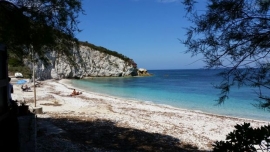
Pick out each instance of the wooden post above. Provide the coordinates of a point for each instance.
(34, 76)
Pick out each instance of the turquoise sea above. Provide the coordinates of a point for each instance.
(188, 89)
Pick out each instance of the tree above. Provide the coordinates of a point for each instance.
(13, 26)
(39, 25)
(234, 35)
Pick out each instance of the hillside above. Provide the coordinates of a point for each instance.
(87, 61)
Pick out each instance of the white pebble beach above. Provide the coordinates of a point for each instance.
(192, 127)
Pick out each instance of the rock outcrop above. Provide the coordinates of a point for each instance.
(143, 72)
(88, 62)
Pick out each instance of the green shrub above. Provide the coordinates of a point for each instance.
(27, 72)
(14, 62)
(244, 138)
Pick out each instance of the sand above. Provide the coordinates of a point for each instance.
(191, 127)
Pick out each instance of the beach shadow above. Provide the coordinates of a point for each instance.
(103, 135)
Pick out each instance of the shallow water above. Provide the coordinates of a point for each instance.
(189, 89)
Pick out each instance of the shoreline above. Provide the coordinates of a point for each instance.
(194, 128)
(67, 83)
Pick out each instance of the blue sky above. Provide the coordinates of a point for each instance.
(147, 31)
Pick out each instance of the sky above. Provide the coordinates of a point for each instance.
(147, 31)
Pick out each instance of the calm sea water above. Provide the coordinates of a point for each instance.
(189, 89)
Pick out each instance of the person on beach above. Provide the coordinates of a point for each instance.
(25, 88)
(75, 93)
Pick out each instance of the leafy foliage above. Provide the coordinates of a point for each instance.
(26, 71)
(244, 138)
(14, 62)
(32, 28)
(233, 35)
(17, 65)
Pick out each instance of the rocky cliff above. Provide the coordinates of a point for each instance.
(87, 62)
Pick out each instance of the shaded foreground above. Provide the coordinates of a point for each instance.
(84, 135)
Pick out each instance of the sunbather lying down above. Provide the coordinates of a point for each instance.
(25, 88)
(75, 93)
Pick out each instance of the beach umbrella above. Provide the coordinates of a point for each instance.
(21, 81)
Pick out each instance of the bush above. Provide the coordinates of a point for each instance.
(245, 138)
(27, 72)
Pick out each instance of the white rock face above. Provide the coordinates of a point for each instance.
(88, 63)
